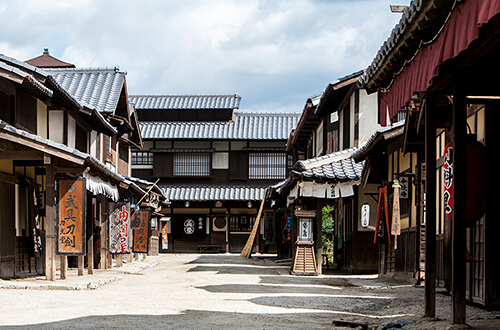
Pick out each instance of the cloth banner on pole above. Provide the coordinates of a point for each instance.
(396, 216)
(119, 228)
(382, 232)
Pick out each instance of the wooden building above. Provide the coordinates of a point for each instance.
(47, 134)
(214, 164)
(388, 166)
(332, 126)
(438, 63)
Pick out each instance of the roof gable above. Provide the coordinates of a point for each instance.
(97, 88)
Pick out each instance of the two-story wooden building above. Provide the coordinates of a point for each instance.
(214, 164)
(438, 63)
(332, 126)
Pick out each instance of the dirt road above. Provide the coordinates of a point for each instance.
(219, 291)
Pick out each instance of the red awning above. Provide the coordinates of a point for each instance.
(461, 29)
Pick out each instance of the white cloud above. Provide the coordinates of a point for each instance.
(272, 52)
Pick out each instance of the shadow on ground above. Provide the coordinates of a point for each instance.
(190, 319)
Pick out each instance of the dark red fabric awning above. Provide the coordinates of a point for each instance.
(461, 29)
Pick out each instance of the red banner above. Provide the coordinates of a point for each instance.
(382, 229)
(119, 228)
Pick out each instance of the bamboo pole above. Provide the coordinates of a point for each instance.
(247, 250)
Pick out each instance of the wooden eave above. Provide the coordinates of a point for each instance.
(395, 53)
(334, 96)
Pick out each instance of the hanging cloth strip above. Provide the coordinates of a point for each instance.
(97, 186)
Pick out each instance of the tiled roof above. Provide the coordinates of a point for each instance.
(47, 61)
(214, 193)
(338, 166)
(97, 88)
(245, 126)
(184, 102)
(23, 78)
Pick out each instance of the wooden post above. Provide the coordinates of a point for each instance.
(430, 207)
(50, 220)
(227, 232)
(90, 254)
(80, 265)
(64, 267)
(458, 274)
(319, 236)
(119, 260)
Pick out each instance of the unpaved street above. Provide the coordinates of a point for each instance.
(191, 291)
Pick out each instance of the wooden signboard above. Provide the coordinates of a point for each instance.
(140, 224)
(70, 216)
(119, 228)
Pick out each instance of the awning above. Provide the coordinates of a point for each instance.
(458, 33)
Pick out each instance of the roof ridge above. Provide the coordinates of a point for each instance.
(183, 95)
(115, 69)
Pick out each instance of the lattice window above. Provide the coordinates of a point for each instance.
(241, 223)
(192, 164)
(265, 165)
(142, 158)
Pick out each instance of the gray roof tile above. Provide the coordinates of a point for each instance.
(338, 166)
(183, 102)
(214, 193)
(97, 88)
(245, 126)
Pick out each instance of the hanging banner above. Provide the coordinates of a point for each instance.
(34, 217)
(396, 217)
(119, 228)
(70, 216)
(140, 224)
(448, 178)
(382, 234)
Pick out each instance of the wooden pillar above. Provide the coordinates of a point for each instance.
(119, 260)
(80, 265)
(430, 207)
(227, 232)
(90, 253)
(64, 267)
(319, 235)
(50, 220)
(458, 274)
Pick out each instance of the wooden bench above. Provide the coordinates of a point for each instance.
(209, 248)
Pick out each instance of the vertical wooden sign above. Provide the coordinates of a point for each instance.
(119, 228)
(70, 216)
(140, 223)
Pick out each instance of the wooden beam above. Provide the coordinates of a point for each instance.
(22, 155)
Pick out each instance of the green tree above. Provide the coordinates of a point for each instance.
(328, 230)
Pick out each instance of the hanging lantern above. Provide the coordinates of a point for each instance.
(477, 179)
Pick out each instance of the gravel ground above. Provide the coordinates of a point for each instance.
(221, 291)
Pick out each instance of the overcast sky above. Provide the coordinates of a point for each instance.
(274, 54)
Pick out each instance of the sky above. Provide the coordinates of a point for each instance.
(274, 53)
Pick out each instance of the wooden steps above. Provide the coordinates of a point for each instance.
(304, 262)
